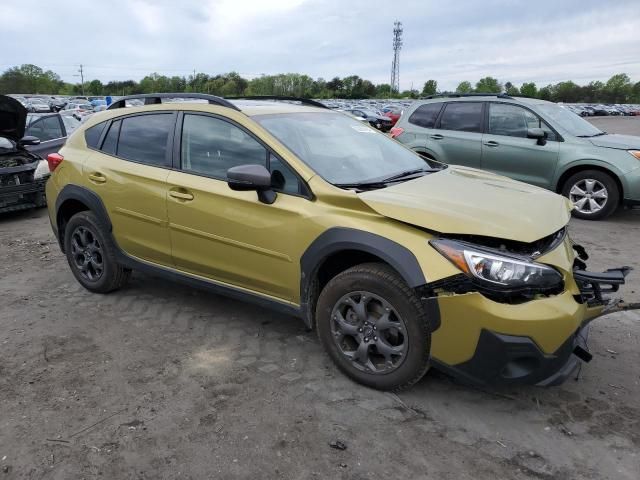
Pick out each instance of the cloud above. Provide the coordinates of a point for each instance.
(546, 41)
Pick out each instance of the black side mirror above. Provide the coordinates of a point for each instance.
(538, 133)
(252, 177)
(30, 140)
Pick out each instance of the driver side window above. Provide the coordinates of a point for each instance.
(211, 146)
(514, 121)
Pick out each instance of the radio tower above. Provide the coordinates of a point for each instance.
(395, 65)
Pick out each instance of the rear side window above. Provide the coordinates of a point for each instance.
(462, 116)
(144, 138)
(426, 115)
(111, 140)
(46, 128)
(92, 135)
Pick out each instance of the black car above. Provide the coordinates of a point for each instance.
(380, 122)
(52, 129)
(23, 174)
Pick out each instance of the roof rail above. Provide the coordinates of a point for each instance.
(304, 101)
(156, 98)
(456, 95)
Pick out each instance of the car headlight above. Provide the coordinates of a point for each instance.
(635, 153)
(42, 170)
(494, 270)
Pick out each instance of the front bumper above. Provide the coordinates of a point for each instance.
(507, 359)
(540, 341)
(21, 197)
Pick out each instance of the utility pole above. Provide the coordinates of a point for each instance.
(81, 79)
(395, 64)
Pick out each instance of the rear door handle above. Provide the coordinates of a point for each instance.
(492, 143)
(181, 194)
(97, 177)
(437, 136)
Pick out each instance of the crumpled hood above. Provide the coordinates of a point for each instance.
(460, 200)
(13, 118)
(624, 142)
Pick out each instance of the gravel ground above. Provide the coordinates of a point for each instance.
(162, 381)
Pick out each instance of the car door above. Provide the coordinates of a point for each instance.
(226, 235)
(421, 124)
(507, 150)
(458, 135)
(128, 169)
(50, 131)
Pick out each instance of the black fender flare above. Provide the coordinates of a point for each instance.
(339, 239)
(88, 198)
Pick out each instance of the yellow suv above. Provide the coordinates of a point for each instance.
(397, 263)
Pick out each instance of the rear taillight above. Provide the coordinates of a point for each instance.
(54, 159)
(396, 132)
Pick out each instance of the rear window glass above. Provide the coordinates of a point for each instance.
(92, 135)
(143, 138)
(426, 115)
(462, 116)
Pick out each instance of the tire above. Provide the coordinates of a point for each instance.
(91, 254)
(576, 189)
(397, 345)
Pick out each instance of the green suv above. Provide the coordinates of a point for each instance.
(398, 263)
(530, 140)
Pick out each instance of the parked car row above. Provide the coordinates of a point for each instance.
(590, 110)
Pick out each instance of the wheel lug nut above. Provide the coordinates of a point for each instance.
(375, 339)
(374, 327)
(360, 330)
(366, 339)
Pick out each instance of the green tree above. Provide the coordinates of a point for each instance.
(511, 89)
(464, 87)
(529, 90)
(430, 88)
(94, 87)
(488, 85)
(618, 88)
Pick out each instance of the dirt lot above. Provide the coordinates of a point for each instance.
(162, 381)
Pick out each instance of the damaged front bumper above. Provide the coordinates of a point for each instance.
(24, 196)
(537, 342)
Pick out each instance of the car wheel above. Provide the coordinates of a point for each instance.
(374, 327)
(91, 255)
(594, 194)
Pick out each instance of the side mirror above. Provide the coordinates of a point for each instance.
(30, 140)
(538, 133)
(252, 177)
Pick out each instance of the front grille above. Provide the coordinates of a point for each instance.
(13, 179)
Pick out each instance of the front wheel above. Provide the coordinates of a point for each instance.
(374, 327)
(594, 194)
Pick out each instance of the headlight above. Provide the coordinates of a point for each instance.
(635, 153)
(42, 170)
(494, 270)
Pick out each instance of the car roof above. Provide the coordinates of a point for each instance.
(484, 98)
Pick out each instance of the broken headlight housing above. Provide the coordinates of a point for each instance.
(496, 271)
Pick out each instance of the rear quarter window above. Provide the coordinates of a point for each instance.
(426, 115)
(92, 135)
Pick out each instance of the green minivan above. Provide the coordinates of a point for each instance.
(530, 140)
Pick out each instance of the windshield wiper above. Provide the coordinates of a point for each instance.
(384, 181)
(594, 135)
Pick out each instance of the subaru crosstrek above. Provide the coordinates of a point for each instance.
(397, 263)
(530, 140)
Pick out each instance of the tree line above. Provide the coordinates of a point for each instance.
(33, 79)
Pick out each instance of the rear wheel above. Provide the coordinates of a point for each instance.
(374, 327)
(91, 254)
(594, 194)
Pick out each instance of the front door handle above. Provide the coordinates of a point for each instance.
(181, 194)
(437, 136)
(491, 143)
(97, 177)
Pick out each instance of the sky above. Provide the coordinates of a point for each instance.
(544, 41)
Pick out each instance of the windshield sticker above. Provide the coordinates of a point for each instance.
(362, 129)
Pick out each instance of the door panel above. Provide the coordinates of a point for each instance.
(135, 198)
(506, 150)
(232, 237)
(458, 138)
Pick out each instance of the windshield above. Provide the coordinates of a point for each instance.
(339, 148)
(568, 120)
